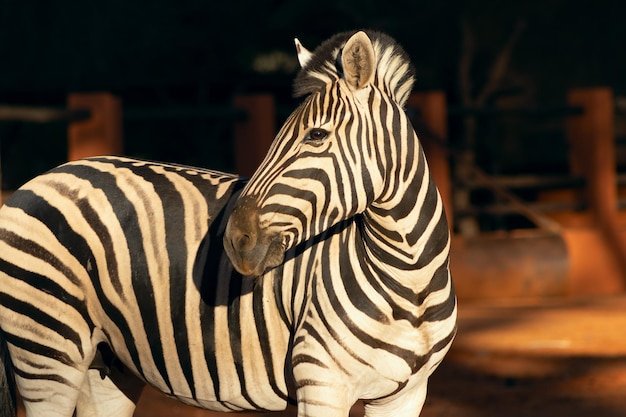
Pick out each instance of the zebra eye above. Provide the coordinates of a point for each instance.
(316, 135)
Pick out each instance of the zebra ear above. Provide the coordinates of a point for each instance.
(358, 60)
(304, 55)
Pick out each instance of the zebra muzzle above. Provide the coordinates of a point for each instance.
(251, 249)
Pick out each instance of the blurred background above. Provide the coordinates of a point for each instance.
(160, 56)
(537, 229)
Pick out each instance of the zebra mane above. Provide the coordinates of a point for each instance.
(394, 72)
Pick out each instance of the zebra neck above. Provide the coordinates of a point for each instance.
(408, 229)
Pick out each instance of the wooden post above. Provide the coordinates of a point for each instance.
(101, 134)
(254, 135)
(434, 114)
(592, 146)
(592, 149)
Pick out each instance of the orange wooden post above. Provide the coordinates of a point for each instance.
(592, 148)
(101, 134)
(434, 114)
(254, 135)
(592, 155)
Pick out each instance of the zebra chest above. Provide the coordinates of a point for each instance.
(342, 341)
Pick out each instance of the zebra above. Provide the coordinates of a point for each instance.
(321, 280)
(345, 186)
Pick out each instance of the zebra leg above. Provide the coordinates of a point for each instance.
(323, 399)
(109, 389)
(47, 388)
(50, 364)
(115, 394)
(407, 403)
(8, 407)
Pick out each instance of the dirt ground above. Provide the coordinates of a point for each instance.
(546, 358)
(581, 388)
(514, 359)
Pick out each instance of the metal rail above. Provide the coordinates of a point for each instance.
(41, 114)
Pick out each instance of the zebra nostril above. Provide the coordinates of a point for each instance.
(244, 242)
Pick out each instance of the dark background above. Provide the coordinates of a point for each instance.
(165, 53)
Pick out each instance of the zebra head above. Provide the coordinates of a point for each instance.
(334, 156)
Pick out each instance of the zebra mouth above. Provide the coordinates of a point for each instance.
(256, 259)
(251, 248)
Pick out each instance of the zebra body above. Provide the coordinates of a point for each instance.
(129, 253)
(340, 288)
